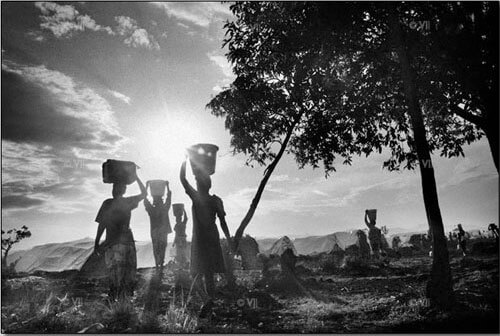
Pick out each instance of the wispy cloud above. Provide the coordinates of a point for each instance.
(135, 36)
(120, 96)
(64, 20)
(55, 132)
(226, 69)
(35, 36)
(198, 13)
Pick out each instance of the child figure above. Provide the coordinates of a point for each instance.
(160, 225)
(180, 233)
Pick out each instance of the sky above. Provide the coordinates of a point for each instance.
(83, 82)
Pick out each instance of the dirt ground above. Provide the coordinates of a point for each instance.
(382, 298)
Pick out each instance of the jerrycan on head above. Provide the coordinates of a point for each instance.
(372, 214)
(178, 209)
(202, 158)
(116, 171)
(157, 187)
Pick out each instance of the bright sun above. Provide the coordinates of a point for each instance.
(164, 140)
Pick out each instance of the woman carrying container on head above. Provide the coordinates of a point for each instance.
(114, 217)
(158, 217)
(206, 252)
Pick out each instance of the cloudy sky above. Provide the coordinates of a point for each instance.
(84, 82)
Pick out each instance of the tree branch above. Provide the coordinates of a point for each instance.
(268, 171)
(477, 120)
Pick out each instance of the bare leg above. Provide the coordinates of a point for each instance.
(163, 248)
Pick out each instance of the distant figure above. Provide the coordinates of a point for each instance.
(396, 241)
(160, 225)
(450, 236)
(206, 252)
(362, 243)
(119, 247)
(180, 237)
(374, 235)
(494, 230)
(461, 236)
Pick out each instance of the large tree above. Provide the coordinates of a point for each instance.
(347, 78)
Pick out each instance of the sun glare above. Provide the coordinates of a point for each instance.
(166, 139)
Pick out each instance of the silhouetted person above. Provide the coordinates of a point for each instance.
(396, 241)
(119, 247)
(362, 243)
(374, 235)
(180, 238)
(494, 230)
(206, 252)
(160, 225)
(461, 237)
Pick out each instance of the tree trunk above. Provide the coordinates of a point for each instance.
(439, 287)
(491, 131)
(5, 254)
(269, 170)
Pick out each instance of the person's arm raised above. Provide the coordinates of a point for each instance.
(187, 187)
(366, 220)
(184, 221)
(168, 201)
(144, 192)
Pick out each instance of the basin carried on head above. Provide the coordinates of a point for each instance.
(202, 158)
(178, 209)
(116, 171)
(372, 214)
(157, 187)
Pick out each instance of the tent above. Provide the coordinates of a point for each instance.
(74, 255)
(332, 242)
(280, 246)
(248, 248)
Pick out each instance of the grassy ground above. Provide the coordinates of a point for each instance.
(380, 298)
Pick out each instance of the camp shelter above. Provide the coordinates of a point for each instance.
(280, 246)
(248, 248)
(74, 255)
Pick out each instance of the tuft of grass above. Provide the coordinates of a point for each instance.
(120, 315)
(178, 319)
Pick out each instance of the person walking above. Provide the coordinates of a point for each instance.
(119, 247)
(160, 224)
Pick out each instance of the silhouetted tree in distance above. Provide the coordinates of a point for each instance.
(10, 238)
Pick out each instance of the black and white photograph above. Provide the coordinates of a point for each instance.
(250, 167)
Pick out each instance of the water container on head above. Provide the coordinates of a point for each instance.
(372, 214)
(157, 187)
(116, 171)
(202, 158)
(178, 209)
